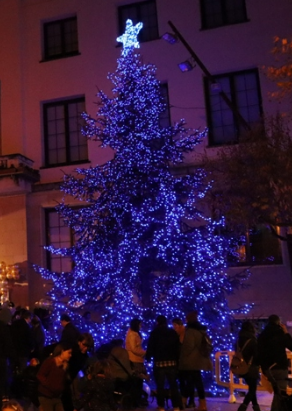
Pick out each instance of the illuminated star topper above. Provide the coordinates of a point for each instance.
(129, 38)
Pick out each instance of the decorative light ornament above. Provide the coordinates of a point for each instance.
(8, 273)
(129, 38)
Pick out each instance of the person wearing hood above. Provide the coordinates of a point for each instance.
(192, 361)
(247, 342)
(272, 345)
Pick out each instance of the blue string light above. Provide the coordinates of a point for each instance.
(143, 244)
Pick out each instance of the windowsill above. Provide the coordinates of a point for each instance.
(253, 265)
(65, 164)
(224, 25)
(59, 57)
(231, 143)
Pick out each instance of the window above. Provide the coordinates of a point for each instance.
(164, 118)
(64, 142)
(216, 13)
(144, 12)
(60, 38)
(60, 236)
(243, 90)
(258, 246)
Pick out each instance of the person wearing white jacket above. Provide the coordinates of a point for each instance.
(136, 353)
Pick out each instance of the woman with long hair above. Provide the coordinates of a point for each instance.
(52, 377)
(247, 340)
(136, 355)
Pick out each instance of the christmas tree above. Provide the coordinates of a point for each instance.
(143, 245)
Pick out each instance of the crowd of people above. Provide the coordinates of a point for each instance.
(70, 375)
(268, 353)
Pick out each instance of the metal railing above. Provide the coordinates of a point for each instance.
(232, 385)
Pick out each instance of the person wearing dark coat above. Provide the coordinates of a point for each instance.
(272, 345)
(70, 333)
(247, 339)
(163, 347)
(78, 362)
(39, 337)
(5, 353)
(22, 339)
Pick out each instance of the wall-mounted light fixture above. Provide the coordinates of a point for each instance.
(187, 65)
(170, 38)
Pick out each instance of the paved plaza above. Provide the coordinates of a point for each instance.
(222, 404)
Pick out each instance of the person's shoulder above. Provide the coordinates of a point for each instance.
(193, 332)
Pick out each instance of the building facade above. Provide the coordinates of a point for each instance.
(55, 55)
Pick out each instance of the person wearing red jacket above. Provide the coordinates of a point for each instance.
(52, 377)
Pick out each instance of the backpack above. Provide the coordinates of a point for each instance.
(206, 346)
(238, 365)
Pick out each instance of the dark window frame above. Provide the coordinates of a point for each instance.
(143, 36)
(65, 103)
(225, 21)
(165, 116)
(238, 127)
(254, 252)
(63, 53)
(49, 255)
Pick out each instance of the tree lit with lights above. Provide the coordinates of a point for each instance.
(143, 245)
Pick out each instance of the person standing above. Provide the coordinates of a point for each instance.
(247, 343)
(70, 333)
(5, 353)
(192, 361)
(272, 345)
(52, 377)
(163, 347)
(38, 336)
(180, 329)
(22, 339)
(136, 354)
(78, 362)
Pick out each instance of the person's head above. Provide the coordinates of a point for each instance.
(63, 351)
(64, 319)
(274, 319)
(161, 320)
(85, 342)
(26, 315)
(11, 405)
(135, 324)
(192, 317)
(248, 327)
(178, 325)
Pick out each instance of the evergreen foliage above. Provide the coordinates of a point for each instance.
(143, 245)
